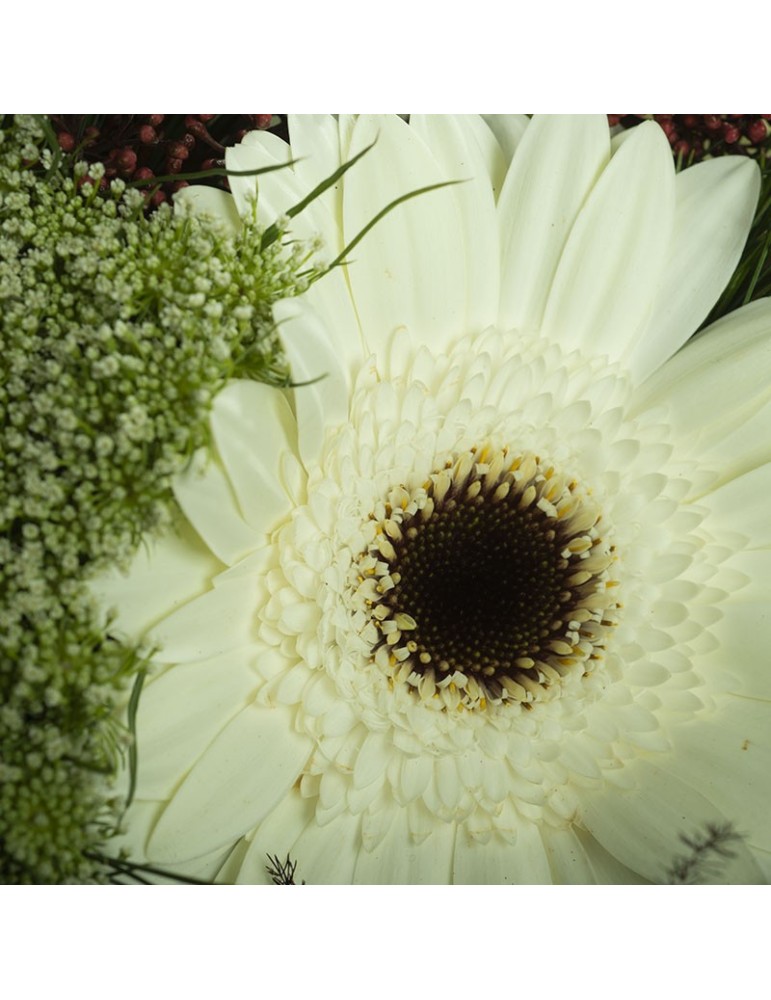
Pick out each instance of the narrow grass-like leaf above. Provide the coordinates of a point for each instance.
(197, 175)
(271, 234)
(135, 870)
(133, 756)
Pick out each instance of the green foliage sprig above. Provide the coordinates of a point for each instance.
(116, 332)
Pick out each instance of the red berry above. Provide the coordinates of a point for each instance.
(758, 131)
(66, 141)
(178, 151)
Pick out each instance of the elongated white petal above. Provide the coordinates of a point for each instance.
(254, 429)
(209, 503)
(508, 130)
(315, 143)
(609, 272)
(718, 391)
(241, 777)
(728, 759)
(621, 822)
(742, 504)
(276, 836)
(164, 574)
(181, 713)
(410, 270)
(398, 860)
(274, 192)
(497, 861)
(322, 401)
(577, 859)
(451, 141)
(217, 621)
(541, 198)
(326, 855)
(715, 204)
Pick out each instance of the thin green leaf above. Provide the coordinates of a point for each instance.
(133, 756)
(758, 271)
(197, 175)
(132, 869)
(272, 233)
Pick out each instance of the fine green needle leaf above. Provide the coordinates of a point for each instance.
(133, 705)
(197, 175)
(272, 232)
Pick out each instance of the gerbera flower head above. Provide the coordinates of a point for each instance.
(475, 604)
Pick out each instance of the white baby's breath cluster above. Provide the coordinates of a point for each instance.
(117, 330)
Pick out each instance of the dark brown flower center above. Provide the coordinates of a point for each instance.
(490, 580)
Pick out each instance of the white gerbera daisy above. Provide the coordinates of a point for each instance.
(489, 601)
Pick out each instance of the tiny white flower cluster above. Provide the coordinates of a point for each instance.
(117, 330)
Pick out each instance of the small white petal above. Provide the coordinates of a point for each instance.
(219, 207)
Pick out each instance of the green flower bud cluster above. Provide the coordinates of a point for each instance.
(116, 332)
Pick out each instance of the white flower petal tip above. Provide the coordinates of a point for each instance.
(489, 634)
(210, 203)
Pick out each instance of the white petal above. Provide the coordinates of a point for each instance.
(326, 855)
(577, 859)
(212, 203)
(509, 131)
(224, 618)
(277, 191)
(742, 505)
(398, 860)
(727, 757)
(610, 270)
(498, 862)
(181, 713)
(315, 143)
(451, 139)
(372, 759)
(718, 390)
(330, 299)
(276, 835)
(410, 269)
(714, 210)
(253, 428)
(322, 403)
(164, 574)
(557, 162)
(642, 827)
(241, 777)
(207, 499)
